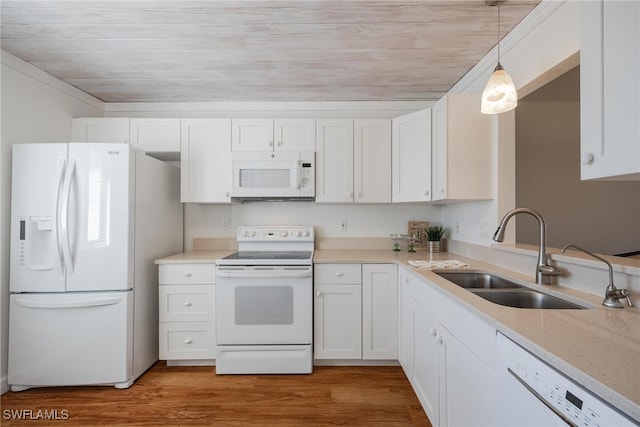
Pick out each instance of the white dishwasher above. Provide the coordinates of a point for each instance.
(537, 394)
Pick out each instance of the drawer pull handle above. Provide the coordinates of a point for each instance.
(318, 293)
(188, 303)
(188, 341)
(187, 274)
(339, 274)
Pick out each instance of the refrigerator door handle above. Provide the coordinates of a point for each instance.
(64, 216)
(56, 226)
(97, 302)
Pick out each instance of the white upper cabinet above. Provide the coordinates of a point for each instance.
(411, 157)
(100, 129)
(273, 135)
(156, 135)
(353, 161)
(159, 137)
(205, 161)
(610, 90)
(372, 161)
(334, 161)
(462, 149)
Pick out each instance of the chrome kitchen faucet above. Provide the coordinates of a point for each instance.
(543, 268)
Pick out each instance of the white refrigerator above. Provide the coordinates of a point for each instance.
(87, 222)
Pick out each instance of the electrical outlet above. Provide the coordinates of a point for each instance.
(457, 227)
(343, 226)
(225, 224)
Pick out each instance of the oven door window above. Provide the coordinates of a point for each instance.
(263, 305)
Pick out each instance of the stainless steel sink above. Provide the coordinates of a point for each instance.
(526, 298)
(475, 280)
(500, 290)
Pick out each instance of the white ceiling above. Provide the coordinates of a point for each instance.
(257, 50)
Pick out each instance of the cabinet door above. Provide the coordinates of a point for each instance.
(467, 395)
(406, 325)
(462, 147)
(295, 134)
(372, 161)
(411, 157)
(380, 311)
(205, 161)
(609, 91)
(337, 322)
(99, 129)
(155, 135)
(439, 142)
(426, 356)
(334, 161)
(252, 135)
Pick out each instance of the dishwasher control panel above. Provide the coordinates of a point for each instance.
(570, 401)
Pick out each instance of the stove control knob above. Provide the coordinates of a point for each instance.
(299, 233)
(246, 233)
(254, 234)
(306, 233)
(285, 233)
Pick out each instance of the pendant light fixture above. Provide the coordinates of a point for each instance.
(499, 94)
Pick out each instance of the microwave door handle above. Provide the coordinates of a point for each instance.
(297, 173)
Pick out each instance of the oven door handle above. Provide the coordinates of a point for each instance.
(264, 274)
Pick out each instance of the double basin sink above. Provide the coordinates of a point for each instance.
(500, 290)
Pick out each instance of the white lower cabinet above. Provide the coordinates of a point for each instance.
(380, 311)
(337, 306)
(187, 313)
(418, 346)
(466, 385)
(448, 373)
(355, 311)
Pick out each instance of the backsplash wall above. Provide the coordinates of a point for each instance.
(362, 220)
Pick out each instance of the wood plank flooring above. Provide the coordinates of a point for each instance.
(195, 396)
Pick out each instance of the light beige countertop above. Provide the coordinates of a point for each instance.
(195, 257)
(598, 348)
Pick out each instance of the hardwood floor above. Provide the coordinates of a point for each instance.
(196, 396)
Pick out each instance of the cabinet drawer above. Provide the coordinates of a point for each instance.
(338, 273)
(187, 303)
(188, 274)
(187, 340)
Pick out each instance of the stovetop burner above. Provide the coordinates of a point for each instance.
(269, 255)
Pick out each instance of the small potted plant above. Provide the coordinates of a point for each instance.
(434, 237)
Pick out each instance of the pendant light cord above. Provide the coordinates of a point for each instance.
(498, 32)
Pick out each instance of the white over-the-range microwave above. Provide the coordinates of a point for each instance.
(278, 175)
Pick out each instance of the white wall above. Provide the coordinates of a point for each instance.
(362, 220)
(35, 108)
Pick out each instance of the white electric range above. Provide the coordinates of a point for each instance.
(264, 302)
